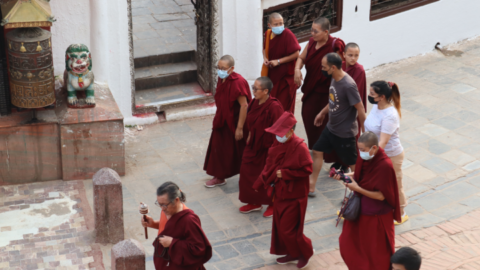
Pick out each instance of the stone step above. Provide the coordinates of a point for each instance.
(153, 60)
(174, 96)
(165, 75)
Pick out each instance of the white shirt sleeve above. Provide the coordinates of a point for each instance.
(390, 124)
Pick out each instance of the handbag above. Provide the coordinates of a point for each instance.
(351, 206)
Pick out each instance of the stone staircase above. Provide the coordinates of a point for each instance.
(168, 82)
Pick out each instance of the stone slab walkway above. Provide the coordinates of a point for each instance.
(163, 27)
(454, 244)
(439, 131)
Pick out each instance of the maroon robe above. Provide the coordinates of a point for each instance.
(291, 196)
(316, 86)
(224, 154)
(190, 248)
(369, 242)
(259, 117)
(358, 75)
(282, 76)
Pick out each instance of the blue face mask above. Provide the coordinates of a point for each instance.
(365, 155)
(222, 73)
(278, 29)
(281, 139)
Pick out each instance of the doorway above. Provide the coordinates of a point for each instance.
(174, 52)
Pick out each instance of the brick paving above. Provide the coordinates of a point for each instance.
(54, 228)
(454, 244)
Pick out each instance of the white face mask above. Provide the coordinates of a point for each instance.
(282, 139)
(365, 155)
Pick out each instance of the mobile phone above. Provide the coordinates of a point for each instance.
(343, 177)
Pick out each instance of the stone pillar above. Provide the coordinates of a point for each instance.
(128, 255)
(108, 206)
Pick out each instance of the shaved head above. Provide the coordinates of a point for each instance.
(351, 45)
(265, 83)
(273, 16)
(324, 23)
(229, 59)
(369, 139)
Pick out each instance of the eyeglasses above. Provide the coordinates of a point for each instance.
(254, 89)
(162, 205)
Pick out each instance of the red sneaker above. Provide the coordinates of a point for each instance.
(303, 263)
(287, 259)
(215, 182)
(250, 208)
(269, 212)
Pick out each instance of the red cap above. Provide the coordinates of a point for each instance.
(283, 124)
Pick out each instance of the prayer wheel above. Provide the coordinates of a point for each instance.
(32, 81)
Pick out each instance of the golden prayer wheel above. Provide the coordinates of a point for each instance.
(32, 81)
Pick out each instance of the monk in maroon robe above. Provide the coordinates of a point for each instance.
(286, 178)
(356, 71)
(263, 112)
(227, 142)
(368, 242)
(316, 86)
(181, 243)
(280, 57)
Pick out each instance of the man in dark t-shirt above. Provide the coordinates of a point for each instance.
(344, 105)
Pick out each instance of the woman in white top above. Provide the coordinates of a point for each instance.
(384, 121)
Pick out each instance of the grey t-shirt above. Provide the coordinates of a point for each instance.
(341, 111)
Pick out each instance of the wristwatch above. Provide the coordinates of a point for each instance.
(278, 61)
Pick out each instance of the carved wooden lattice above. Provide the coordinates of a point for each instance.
(383, 8)
(299, 15)
(206, 54)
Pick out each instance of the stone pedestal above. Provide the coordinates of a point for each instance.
(108, 206)
(128, 255)
(65, 143)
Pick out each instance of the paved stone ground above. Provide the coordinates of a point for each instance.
(163, 27)
(47, 226)
(440, 133)
(454, 244)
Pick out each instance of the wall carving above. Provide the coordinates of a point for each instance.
(384, 8)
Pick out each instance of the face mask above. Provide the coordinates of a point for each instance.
(365, 155)
(325, 73)
(372, 100)
(222, 73)
(278, 29)
(281, 139)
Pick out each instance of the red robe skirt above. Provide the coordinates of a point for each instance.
(315, 87)
(284, 88)
(259, 118)
(224, 153)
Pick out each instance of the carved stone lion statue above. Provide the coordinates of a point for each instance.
(78, 74)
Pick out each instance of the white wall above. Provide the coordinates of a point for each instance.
(103, 27)
(396, 37)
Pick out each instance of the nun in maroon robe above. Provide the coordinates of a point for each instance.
(284, 88)
(369, 242)
(259, 117)
(286, 178)
(358, 75)
(190, 248)
(316, 86)
(224, 153)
